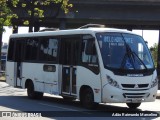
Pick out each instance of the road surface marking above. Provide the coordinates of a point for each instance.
(64, 108)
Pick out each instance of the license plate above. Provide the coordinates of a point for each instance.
(136, 100)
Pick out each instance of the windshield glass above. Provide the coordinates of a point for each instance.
(124, 51)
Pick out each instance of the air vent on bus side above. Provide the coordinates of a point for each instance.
(92, 25)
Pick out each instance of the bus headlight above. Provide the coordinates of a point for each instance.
(154, 83)
(112, 82)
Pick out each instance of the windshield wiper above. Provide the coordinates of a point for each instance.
(140, 60)
(131, 55)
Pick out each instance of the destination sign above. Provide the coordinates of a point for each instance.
(113, 39)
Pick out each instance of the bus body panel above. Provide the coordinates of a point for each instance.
(10, 73)
(12, 77)
(90, 79)
(44, 81)
(115, 95)
(130, 88)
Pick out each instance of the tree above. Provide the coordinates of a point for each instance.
(154, 52)
(6, 14)
(35, 9)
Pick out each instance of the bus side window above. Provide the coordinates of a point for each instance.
(19, 50)
(11, 50)
(31, 49)
(89, 57)
(89, 54)
(48, 50)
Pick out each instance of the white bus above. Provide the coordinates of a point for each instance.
(94, 65)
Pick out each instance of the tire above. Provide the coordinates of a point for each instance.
(33, 94)
(133, 105)
(88, 99)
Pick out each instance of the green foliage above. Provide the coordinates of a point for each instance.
(15, 2)
(154, 52)
(36, 10)
(6, 14)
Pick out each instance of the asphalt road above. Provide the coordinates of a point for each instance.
(14, 104)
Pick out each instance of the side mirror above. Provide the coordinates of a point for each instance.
(146, 42)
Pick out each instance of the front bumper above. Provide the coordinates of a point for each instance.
(116, 95)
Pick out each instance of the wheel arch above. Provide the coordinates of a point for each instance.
(82, 89)
(27, 82)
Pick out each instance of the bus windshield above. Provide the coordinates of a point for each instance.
(124, 51)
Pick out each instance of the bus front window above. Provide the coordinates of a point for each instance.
(124, 51)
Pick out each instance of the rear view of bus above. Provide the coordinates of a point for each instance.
(129, 75)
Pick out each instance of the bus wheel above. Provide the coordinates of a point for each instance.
(33, 94)
(133, 105)
(88, 99)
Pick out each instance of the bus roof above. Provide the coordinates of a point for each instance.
(70, 32)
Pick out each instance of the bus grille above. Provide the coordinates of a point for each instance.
(135, 95)
(135, 85)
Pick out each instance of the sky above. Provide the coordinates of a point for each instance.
(151, 36)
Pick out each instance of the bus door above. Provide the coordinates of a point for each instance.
(69, 57)
(18, 63)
